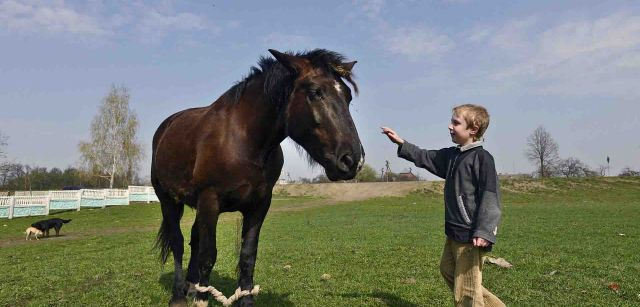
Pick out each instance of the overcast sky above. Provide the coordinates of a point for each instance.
(570, 66)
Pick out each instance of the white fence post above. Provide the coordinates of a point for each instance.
(79, 196)
(48, 203)
(12, 202)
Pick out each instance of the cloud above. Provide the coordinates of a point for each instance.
(35, 17)
(98, 20)
(154, 25)
(282, 41)
(583, 57)
(415, 43)
(514, 35)
(479, 33)
(371, 8)
(611, 33)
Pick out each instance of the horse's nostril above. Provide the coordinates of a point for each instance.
(347, 160)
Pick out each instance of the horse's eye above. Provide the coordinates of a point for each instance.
(315, 93)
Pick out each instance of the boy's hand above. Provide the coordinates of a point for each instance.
(480, 242)
(392, 135)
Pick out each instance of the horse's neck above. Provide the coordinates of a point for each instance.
(259, 119)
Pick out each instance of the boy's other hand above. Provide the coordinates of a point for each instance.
(392, 135)
(480, 242)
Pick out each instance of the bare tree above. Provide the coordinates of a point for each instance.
(113, 149)
(627, 171)
(542, 150)
(602, 170)
(573, 167)
(3, 144)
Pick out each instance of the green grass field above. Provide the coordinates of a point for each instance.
(568, 240)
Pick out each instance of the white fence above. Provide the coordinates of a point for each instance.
(28, 203)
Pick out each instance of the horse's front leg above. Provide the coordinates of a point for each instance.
(192, 271)
(206, 220)
(252, 222)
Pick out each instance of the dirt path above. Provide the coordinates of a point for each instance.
(340, 192)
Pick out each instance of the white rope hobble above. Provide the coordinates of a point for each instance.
(219, 296)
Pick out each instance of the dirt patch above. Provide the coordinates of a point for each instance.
(358, 191)
(525, 186)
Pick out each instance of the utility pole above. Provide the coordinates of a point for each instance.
(386, 162)
(608, 167)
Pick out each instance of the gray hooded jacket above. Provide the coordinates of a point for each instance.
(471, 190)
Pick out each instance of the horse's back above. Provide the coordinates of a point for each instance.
(182, 118)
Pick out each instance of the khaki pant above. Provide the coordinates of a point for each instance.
(461, 267)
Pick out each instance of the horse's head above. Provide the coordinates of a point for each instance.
(317, 113)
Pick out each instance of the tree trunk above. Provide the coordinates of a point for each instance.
(113, 172)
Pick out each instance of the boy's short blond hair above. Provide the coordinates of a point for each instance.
(475, 116)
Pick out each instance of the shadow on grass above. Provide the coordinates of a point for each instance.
(228, 286)
(386, 298)
(61, 211)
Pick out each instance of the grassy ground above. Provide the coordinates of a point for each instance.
(567, 241)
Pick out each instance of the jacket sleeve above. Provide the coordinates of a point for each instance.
(435, 161)
(489, 209)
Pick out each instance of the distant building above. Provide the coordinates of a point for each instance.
(282, 181)
(409, 176)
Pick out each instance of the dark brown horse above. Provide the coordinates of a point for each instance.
(227, 156)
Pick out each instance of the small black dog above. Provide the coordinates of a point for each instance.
(54, 223)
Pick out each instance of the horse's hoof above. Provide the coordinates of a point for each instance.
(178, 302)
(246, 301)
(199, 303)
(189, 288)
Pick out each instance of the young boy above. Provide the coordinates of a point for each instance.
(472, 201)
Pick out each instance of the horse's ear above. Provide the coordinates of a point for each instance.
(348, 65)
(289, 61)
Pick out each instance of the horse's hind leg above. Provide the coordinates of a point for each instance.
(206, 220)
(171, 238)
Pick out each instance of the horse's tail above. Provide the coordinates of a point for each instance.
(169, 228)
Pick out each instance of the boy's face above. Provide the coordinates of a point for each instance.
(460, 133)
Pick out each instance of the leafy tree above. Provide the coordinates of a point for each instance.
(542, 150)
(15, 176)
(113, 149)
(367, 174)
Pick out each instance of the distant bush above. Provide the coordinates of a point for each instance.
(627, 171)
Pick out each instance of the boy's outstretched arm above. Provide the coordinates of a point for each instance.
(435, 161)
(392, 135)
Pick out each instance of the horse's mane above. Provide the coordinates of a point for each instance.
(278, 81)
